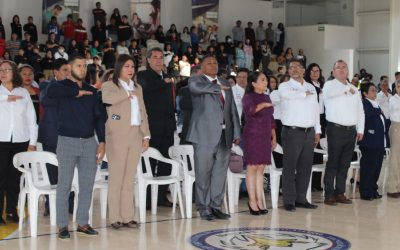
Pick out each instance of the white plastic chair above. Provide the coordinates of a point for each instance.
(184, 153)
(36, 183)
(275, 174)
(354, 165)
(100, 183)
(147, 178)
(318, 167)
(234, 180)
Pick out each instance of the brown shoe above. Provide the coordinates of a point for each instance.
(393, 195)
(131, 224)
(341, 198)
(330, 201)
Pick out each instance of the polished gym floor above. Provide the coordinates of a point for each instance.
(365, 224)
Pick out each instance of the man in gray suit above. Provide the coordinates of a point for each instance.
(214, 126)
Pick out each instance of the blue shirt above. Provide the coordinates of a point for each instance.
(78, 117)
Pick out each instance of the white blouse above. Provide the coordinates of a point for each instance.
(18, 119)
(135, 112)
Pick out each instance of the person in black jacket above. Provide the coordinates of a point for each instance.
(2, 30)
(16, 27)
(30, 27)
(99, 15)
(98, 32)
(372, 145)
(124, 31)
(158, 94)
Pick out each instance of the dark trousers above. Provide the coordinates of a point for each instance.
(162, 144)
(298, 151)
(278, 131)
(9, 175)
(370, 169)
(341, 143)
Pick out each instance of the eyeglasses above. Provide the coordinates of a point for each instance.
(5, 70)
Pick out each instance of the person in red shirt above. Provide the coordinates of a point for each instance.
(68, 27)
(2, 44)
(80, 32)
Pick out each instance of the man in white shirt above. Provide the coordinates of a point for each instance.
(300, 133)
(383, 99)
(239, 89)
(345, 124)
(260, 31)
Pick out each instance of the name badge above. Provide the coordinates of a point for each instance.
(116, 117)
(372, 132)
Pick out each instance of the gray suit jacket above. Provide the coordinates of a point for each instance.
(208, 114)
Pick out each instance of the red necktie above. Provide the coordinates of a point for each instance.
(221, 98)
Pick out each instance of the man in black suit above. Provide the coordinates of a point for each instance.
(158, 95)
(48, 134)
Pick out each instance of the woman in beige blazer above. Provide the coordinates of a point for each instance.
(127, 136)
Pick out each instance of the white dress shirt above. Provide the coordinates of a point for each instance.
(298, 108)
(18, 119)
(135, 112)
(276, 101)
(383, 101)
(394, 108)
(341, 106)
(238, 93)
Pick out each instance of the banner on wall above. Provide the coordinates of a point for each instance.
(145, 17)
(205, 18)
(59, 9)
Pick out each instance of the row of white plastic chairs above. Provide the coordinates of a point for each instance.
(35, 182)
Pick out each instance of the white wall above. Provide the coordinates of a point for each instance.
(317, 47)
(249, 10)
(373, 23)
(304, 14)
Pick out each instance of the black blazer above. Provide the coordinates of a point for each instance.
(48, 124)
(374, 131)
(159, 102)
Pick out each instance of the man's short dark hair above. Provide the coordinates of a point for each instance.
(295, 61)
(150, 51)
(206, 57)
(75, 57)
(397, 73)
(246, 70)
(382, 77)
(58, 63)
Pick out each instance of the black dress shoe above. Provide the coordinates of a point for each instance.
(13, 217)
(63, 233)
(263, 211)
(208, 217)
(219, 214)
(289, 207)
(253, 212)
(306, 205)
(377, 196)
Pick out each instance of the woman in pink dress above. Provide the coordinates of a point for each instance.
(258, 137)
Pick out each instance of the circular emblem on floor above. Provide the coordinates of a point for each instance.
(263, 238)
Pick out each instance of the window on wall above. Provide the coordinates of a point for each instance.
(312, 12)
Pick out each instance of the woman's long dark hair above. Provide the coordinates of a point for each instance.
(253, 76)
(307, 75)
(121, 60)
